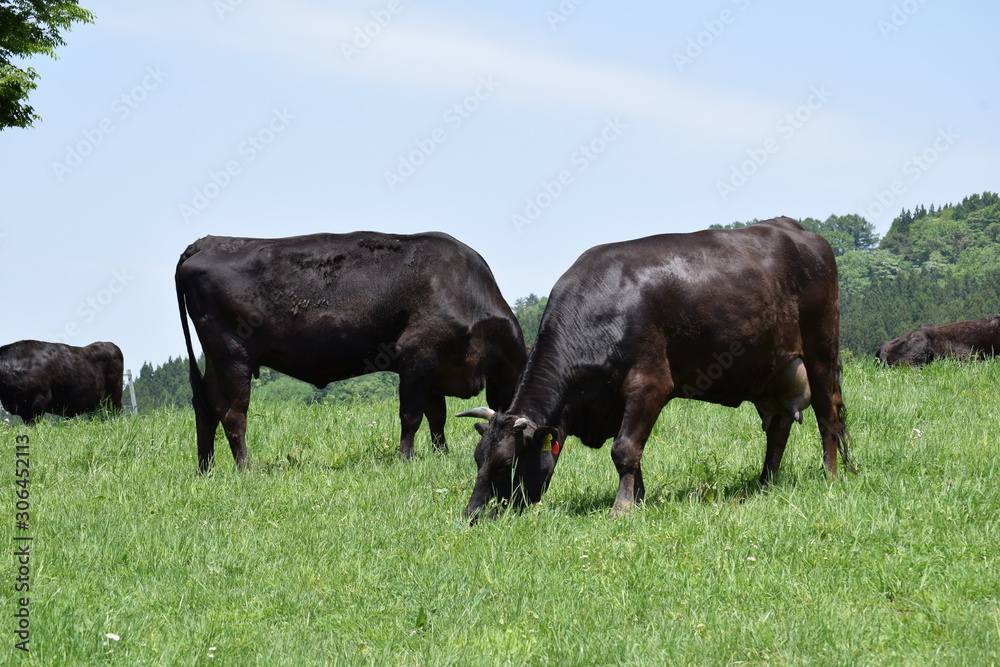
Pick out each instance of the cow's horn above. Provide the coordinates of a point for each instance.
(480, 413)
(520, 424)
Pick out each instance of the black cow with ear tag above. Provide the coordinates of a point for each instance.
(515, 456)
(723, 316)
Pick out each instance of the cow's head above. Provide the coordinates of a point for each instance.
(916, 348)
(515, 457)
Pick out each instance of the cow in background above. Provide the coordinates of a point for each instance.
(38, 377)
(970, 339)
(327, 307)
(723, 316)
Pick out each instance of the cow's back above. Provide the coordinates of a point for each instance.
(734, 298)
(981, 336)
(713, 285)
(342, 299)
(359, 274)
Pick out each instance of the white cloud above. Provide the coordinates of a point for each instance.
(428, 55)
(419, 54)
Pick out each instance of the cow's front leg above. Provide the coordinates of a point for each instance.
(412, 399)
(436, 410)
(40, 404)
(416, 370)
(643, 406)
(627, 455)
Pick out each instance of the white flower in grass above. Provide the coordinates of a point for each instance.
(112, 636)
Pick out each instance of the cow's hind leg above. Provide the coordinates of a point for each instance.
(777, 438)
(229, 394)
(206, 423)
(828, 404)
(436, 410)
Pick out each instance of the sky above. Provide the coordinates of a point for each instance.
(531, 131)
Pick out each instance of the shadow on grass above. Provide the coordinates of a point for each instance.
(585, 501)
(302, 453)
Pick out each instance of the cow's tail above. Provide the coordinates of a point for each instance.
(841, 432)
(198, 394)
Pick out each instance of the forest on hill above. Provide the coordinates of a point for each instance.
(935, 265)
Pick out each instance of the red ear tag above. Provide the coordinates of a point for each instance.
(556, 447)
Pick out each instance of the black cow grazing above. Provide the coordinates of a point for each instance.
(326, 307)
(970, 339)
(37, 377)
(723, 316)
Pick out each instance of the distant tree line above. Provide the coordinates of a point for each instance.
(168, 385)
(528, 311)
(934, 266)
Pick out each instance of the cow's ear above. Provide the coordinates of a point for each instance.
(480, 427)
(547, 439)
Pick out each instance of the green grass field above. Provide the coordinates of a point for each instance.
(330, 551)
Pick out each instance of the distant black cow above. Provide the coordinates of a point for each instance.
(37, 377)
(327, 307)
(723, 316)
(964, 340)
